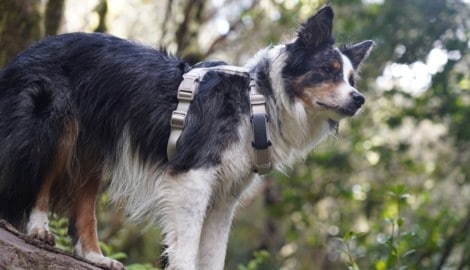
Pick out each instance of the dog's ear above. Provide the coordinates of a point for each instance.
(358, 52)
(317, 30)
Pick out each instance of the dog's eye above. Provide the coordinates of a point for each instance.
(328, 69)
(351, 81)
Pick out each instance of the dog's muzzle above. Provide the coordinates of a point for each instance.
(358, 99)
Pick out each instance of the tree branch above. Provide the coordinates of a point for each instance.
(452, 239)
(166, 19)
(233, 27)
(102, 10)
(19, 251)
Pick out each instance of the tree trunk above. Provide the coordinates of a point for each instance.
(53, 16)
(102, 10)
(20, 26)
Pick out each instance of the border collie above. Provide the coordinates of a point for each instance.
(80, 109)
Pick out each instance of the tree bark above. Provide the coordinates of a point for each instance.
(20, 26)
(53, 16)
(102, 10)
(19, 251)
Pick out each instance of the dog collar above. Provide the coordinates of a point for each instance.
(259, 124)
(188, 89)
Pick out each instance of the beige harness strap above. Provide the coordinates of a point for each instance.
(187, 90)
(259, 120)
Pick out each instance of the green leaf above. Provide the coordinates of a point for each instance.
(118, 256)
(380, 265)
(349, 236)
(138, 266)
(400, 221)
(404, 196)
(409, 252)
(353, 266)
(398, 191)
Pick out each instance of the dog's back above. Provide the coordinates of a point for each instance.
(49, 102)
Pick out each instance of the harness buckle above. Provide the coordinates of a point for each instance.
(186, 94)
(178, 119)
(257, 99)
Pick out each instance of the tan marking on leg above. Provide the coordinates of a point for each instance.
(85, 220)
(59, 166)
(85, 225)
(38, 223)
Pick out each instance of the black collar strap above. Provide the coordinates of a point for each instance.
(187, 90)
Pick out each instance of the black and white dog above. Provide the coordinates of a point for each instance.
(76, 109)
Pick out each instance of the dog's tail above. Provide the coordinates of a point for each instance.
(31, 126)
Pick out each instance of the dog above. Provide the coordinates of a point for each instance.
(80, 109)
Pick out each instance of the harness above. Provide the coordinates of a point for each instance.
(188, 89)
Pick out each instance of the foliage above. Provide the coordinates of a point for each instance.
(259, 257)
(395, 242)
(59, 227)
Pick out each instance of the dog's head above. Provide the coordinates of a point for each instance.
(321, 76)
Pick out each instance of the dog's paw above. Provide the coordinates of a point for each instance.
(109, 263)
(43, 234)
(105, 262)
(38, 227)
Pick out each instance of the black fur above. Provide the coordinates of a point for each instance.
(312, 50)
(316, 32)
(104, 84)
(357, 52)
(261, 74)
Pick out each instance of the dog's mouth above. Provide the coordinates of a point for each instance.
(349, 110)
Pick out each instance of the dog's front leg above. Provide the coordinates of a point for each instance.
(187, 203)
(216, 230)
(215, 235)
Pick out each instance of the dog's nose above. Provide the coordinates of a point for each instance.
(358, 99)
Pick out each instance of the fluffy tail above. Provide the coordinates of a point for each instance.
(30, 128)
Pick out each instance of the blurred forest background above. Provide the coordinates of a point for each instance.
(392, 191)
